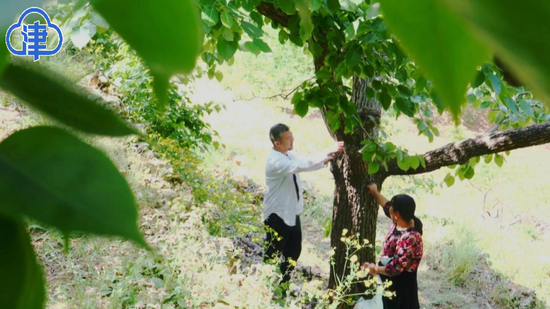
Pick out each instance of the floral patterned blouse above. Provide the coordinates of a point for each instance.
(403, 247)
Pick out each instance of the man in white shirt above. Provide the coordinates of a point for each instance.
(283, 200)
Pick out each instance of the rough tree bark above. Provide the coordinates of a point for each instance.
(354, 209)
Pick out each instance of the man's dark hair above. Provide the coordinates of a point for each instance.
(276, 131)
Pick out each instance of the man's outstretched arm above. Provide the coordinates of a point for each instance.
(286, 167)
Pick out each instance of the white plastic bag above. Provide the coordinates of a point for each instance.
(375, 302)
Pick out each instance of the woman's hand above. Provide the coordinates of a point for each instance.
(372, 269)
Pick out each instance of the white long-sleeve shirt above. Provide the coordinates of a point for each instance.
(280, 196)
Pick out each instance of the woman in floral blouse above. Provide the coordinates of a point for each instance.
(402, 250)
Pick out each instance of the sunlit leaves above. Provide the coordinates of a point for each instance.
(439, 43)
(522, 44)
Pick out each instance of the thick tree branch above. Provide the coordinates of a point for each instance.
(460, 152)
(275, 14)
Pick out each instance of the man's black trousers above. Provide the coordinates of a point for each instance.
(287, 242)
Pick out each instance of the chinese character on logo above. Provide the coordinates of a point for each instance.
(34, 36)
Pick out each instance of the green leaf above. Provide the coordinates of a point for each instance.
(420, 84)
(406, 106)
(470, 172)
(526, 108)
(439, 43)
(56, 99)
(99, 21)
(399, 154)
(460, 174)
(479, 79)
(248, 5)
(301, 108)
(353, 56)
(262, 45)
(404, 164)
(297, 97)
(167, 35)
(485, 104)
(251, 30)
(404, 91)
(376, 84)
(415, 162)
(83, 34)
(350, 32)
(369, 147)
(296, 40)
(227, 19)
(347, 106)
(511, 105)
(422, 161)
(323, 74)
(227, 34)
(226, 49)
(384, 99)
(367, 70)
(23, 285)
(219, 76)
(287, 6)
(316, 4)
(334, 121)
(367, 156)
(519, 43)
(251, 47)
(494, 82)
(306, 24)
(374, 166)
(390, 146)
(160, 84)
(333, 6)
(350, 5)
(499, 159)
(210, 16)
(491, 116)
(51, 176)
(373, 11)
(257, 18)
(488, 158)
(369, 92)
(283, 36)
(449, 180)
(315, 49)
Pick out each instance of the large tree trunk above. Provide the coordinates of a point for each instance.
(355, 209)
